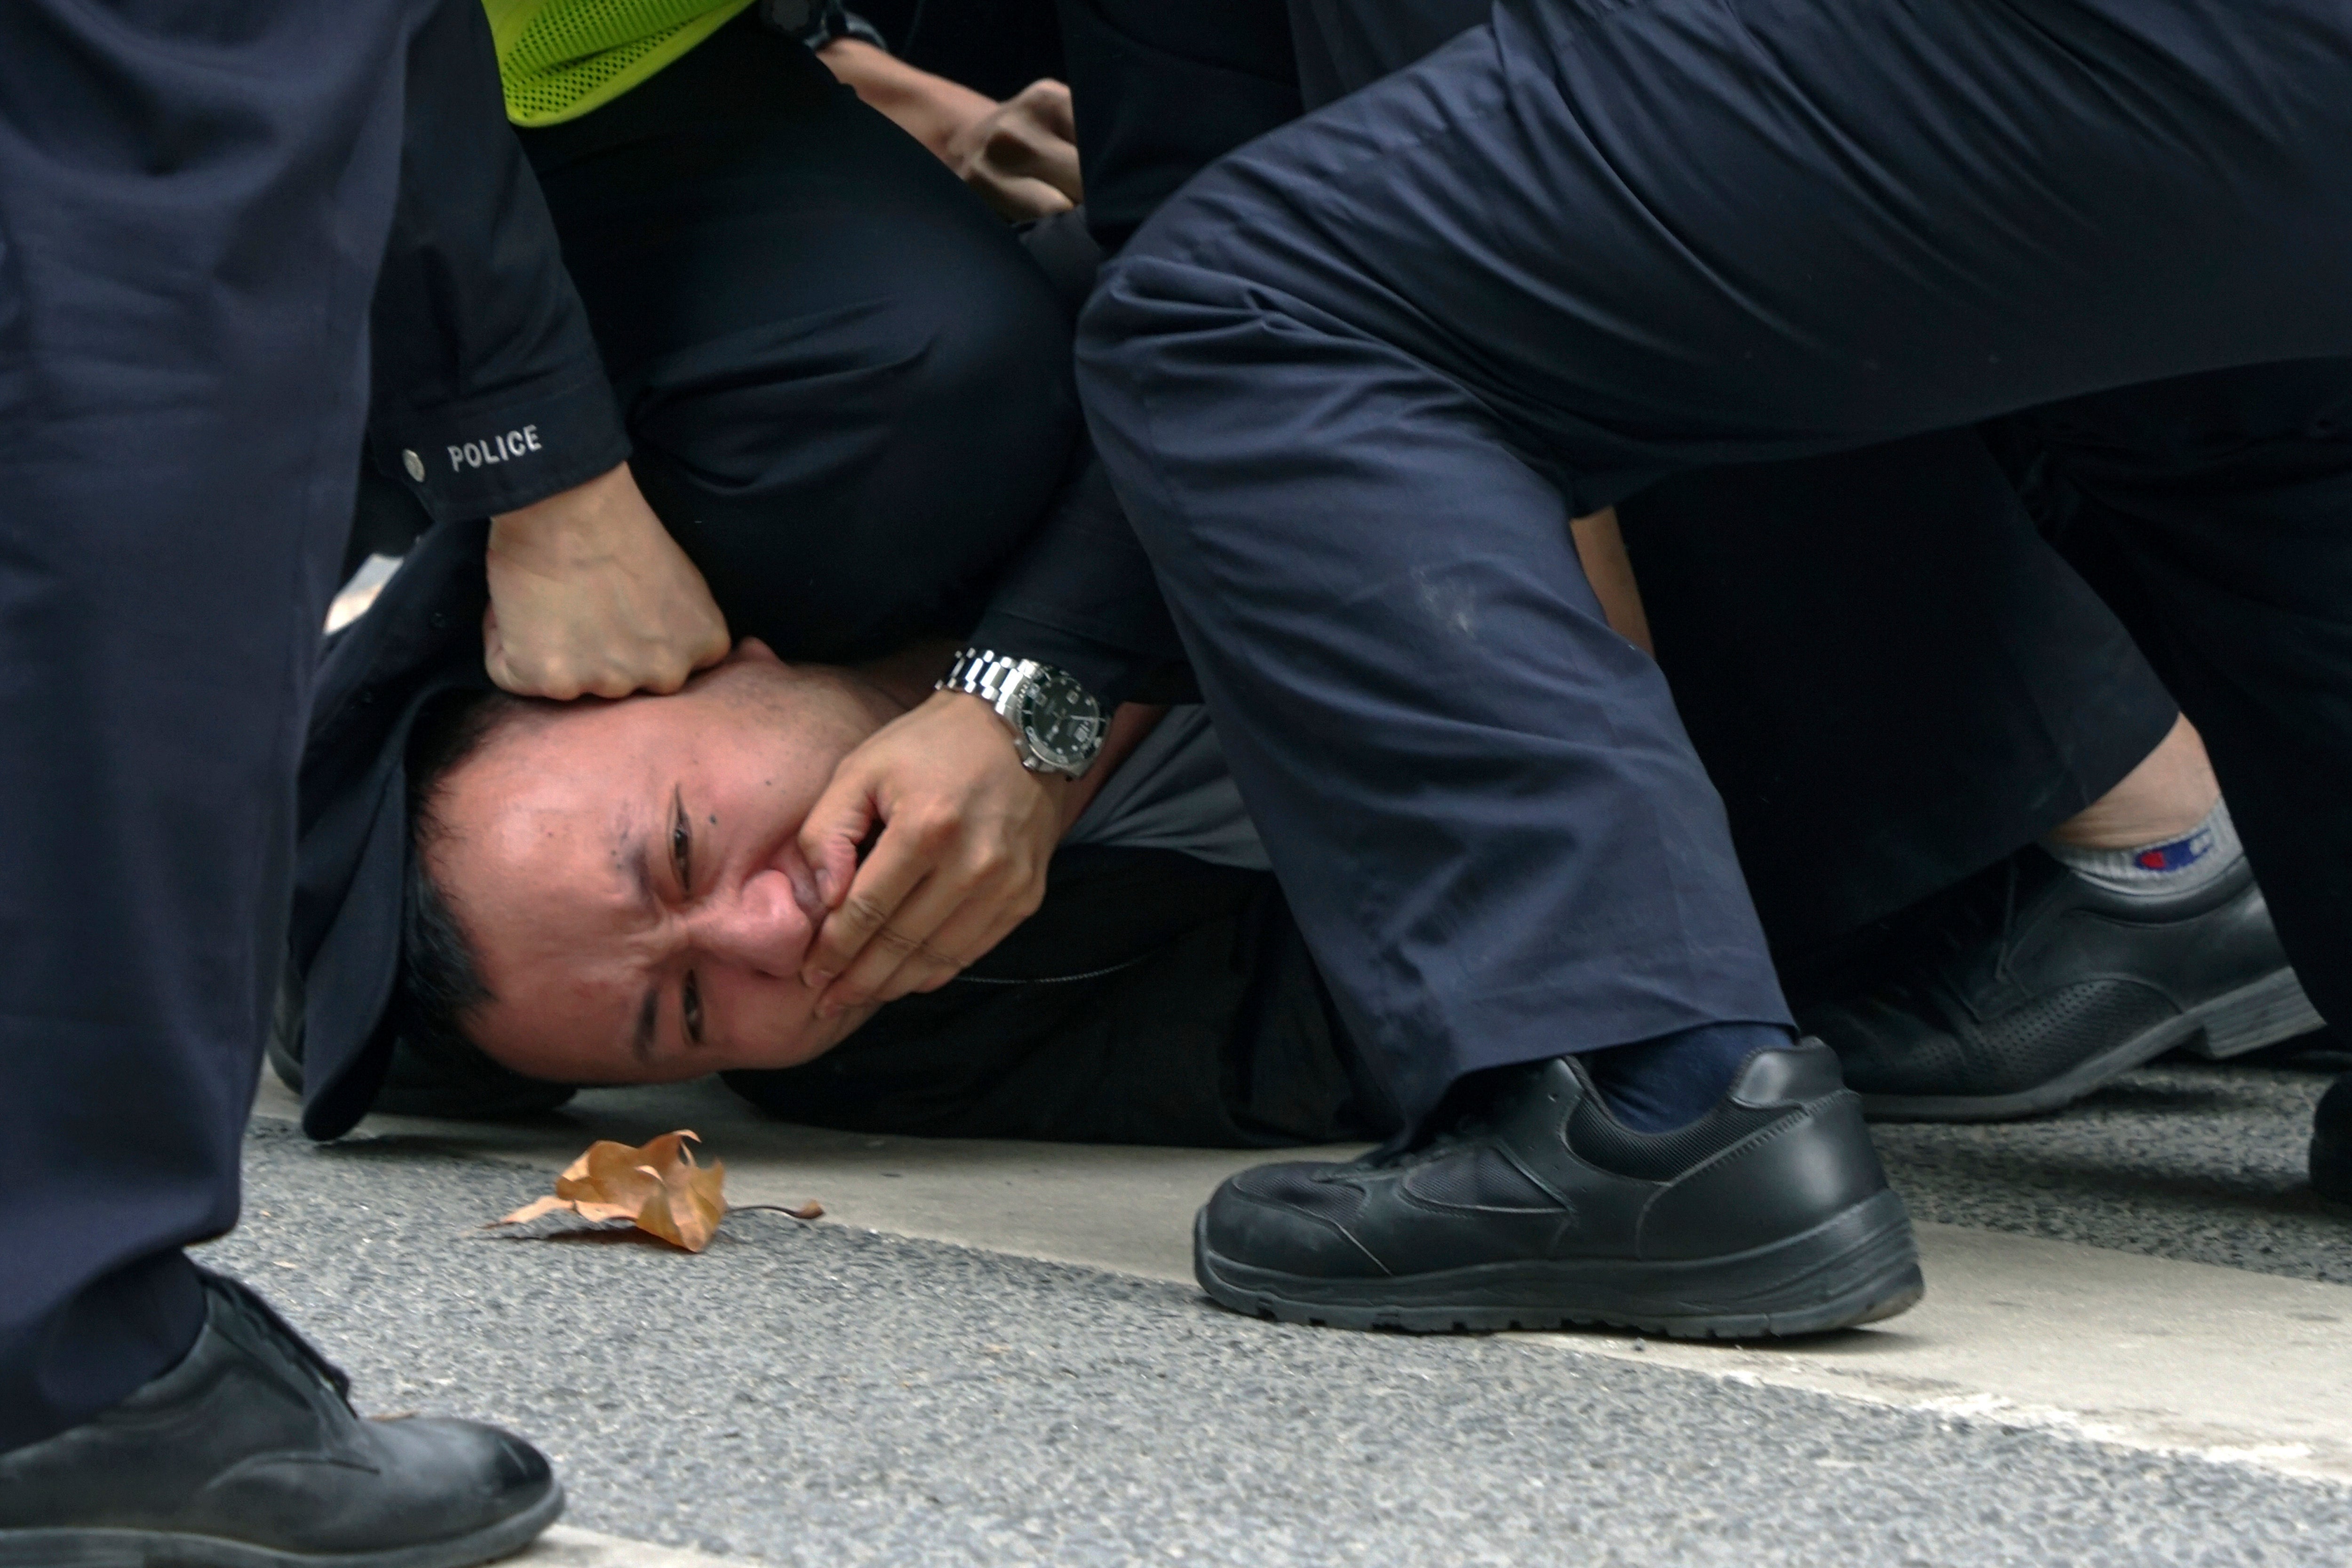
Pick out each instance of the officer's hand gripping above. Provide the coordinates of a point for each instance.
(591, 596)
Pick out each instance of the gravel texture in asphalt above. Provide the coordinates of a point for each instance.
(813, 1395)
(2200, 1163)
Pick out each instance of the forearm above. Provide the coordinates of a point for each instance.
(929, 108)
(571, 528)
(1081, 596)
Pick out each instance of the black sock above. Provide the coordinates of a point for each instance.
(1656, 1085)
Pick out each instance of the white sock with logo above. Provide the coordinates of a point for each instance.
(2192, 861)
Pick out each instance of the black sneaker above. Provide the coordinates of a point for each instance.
(2331, 1143)
(247, 1455)
(1769, 1215)
(2044, 985)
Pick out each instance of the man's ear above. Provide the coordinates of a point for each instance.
(752, 650)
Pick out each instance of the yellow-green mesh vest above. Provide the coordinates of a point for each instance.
(560, 58)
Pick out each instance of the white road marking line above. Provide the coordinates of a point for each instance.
(564, 1547)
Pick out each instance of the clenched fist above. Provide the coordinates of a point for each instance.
(591, 596)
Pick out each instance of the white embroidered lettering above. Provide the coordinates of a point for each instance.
(494, 448)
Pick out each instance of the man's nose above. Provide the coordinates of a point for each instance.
(762, 926)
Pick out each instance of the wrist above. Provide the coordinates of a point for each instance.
(931, 109)
(973, 713)
(572, 525)
(1057, 724)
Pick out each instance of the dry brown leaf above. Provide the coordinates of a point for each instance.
(659, 1187)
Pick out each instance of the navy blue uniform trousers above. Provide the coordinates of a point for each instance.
(194, 203)
(1353, 381)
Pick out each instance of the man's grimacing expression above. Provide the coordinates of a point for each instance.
(630, 874)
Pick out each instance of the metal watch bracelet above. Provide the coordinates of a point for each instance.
(1057, 725)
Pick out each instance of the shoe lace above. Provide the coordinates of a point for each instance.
(1961, 931)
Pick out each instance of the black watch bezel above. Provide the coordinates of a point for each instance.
(1049, 703)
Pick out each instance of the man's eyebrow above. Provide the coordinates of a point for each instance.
(637, 851)
(648, 1016)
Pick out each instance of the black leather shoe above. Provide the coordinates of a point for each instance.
(1769, 1215)
(2331, 1143)
(247, 1455)
(2044, 986)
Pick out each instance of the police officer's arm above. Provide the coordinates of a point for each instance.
(490, 399)
(591, 596)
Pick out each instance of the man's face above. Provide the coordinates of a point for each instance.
(631, 877)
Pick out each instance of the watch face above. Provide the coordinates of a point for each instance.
(1062, 722)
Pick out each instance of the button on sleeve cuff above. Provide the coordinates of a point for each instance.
(479, 458)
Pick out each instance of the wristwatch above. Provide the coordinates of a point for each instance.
(1057, 724)
(816, 23)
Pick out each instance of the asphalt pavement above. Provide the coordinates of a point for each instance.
(822, 1393)
(2194, 1162)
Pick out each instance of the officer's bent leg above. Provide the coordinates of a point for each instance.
(1352, 381)
(1476, 794)
(1892, 679)
(2230, 495)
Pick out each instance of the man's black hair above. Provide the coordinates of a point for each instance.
(437, 1068)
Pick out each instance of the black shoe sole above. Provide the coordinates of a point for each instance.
(2271, 1009)
(2262, 1014)
(165, 1549)
(1857, 1267)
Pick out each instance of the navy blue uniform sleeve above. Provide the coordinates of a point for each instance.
(1081, 596)
(488, 392)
